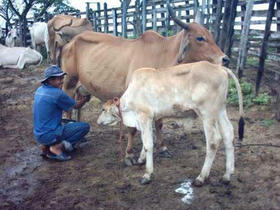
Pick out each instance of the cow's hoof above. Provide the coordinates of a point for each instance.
(197, 183)
(144, 181)
(165, 154)
(141, 163)
(130, 161)
(225, 181)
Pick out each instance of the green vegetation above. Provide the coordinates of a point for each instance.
(249, 98)
(267, 122)
(170, 33)
(254, 61)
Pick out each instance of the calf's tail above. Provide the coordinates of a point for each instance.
(241, 123)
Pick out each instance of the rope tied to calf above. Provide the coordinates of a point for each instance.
(121, 132)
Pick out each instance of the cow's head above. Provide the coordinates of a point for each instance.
(110, 113)
(197, 44)
(12, 34)
(67, 32)
(61, 29)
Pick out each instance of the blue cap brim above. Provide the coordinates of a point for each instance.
(54, 75)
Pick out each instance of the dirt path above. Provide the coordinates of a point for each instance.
(95, 179)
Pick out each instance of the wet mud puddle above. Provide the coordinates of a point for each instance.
(16, 178)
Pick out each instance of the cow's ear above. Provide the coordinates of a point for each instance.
(183, 47)
(116, 101)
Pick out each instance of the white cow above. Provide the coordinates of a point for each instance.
(12, 38)
(172, 92)
(18, 57)
(39, 35)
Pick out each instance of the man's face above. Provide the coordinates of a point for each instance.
(56, 81)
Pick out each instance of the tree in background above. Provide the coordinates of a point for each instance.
(18, 12)
(6, 13)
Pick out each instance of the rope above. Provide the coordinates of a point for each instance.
(256, 145)
(121, 154)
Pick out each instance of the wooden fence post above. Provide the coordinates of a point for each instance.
(202, 17)
(162, 15)
(124, 25)
(226, 17)
(143, 16)
(244, 39)
(98, 21)
(230, 28)
(106, 26)
(94, 22)
(115, 22)
(154, 16)
(167, 20)
(278, 21)
(87, 11)
(178, 28)
(270, 14)
(243, 9)
(218, 17)
(187, 11)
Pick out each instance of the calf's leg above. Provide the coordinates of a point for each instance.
(227, 134)
(164, 152)
(147, 140)
(213, 138)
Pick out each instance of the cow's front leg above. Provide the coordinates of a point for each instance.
(163, 151)
(147, 140)
(129, 156)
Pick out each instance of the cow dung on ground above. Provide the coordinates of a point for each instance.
(96, 179)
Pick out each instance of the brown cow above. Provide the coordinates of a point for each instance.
(104, 63)
(66, 22)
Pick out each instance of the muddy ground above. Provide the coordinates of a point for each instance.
(96, 179)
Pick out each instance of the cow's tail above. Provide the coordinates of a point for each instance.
(241, 123)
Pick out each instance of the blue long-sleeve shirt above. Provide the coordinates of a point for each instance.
(49, 103)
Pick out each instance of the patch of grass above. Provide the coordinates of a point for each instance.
(170, 33)
(252, 61)
(249, 98)
(267, 122)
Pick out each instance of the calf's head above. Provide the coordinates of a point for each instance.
(110, 113)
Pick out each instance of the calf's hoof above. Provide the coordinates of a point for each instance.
(165, 154)
(144, 181)
(130, 161)
(197, 183)
(140, 163)
(225, 181)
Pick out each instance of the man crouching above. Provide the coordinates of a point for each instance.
(49, 103)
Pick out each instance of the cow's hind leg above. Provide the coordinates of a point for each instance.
(129, 156)
(227, 134)
(164, 152)
(213, 138)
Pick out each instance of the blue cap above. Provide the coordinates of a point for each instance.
(53, 71)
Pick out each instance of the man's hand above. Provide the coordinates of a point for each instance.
(81, 100)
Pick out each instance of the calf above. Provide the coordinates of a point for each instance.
(18, 57)
(152, 95)
(39, 35)
(12, 38)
